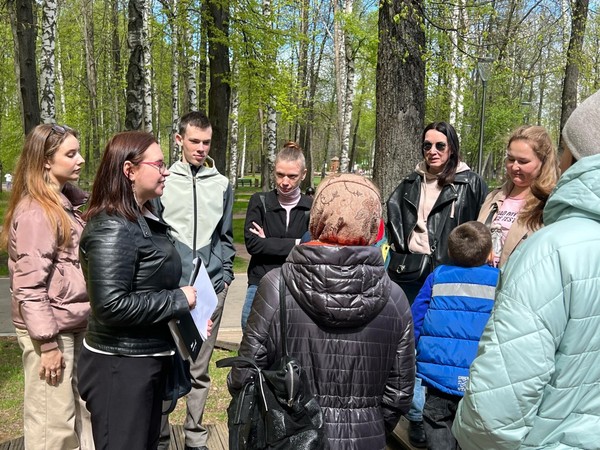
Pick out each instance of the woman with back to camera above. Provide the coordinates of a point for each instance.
(342, 309)
(442, 193)
(132, 271)
(50, 305)
(515, 210)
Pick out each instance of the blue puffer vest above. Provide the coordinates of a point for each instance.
(461, 302)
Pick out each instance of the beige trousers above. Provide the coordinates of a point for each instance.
(54, 417)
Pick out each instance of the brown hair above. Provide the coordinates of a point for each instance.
(112, 191)
(291, 152)
(31, 179)
(470, 244)
(197, 119)
(538, 138)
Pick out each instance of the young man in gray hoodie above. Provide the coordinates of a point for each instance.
(197, 203)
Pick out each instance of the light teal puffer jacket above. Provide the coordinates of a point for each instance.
(536, 380)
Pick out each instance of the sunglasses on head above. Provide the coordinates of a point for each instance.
(61, 129)
(439, 146)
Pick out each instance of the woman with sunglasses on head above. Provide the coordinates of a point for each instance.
(132, 271)
(515, 210)
(50, 305)
(442, 193)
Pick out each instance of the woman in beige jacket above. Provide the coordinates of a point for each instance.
(50, 305)
(515, 210)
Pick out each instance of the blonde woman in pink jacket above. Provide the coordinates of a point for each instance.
(50, 305)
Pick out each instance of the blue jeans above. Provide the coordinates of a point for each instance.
(415, 414)
(250, 293)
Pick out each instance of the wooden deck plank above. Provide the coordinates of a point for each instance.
(218, 438)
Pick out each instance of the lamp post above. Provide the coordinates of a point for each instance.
(484, 68)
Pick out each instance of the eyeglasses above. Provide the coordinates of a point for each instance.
(160, 165)
(439, 146)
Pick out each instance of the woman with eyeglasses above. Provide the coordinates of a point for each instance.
(50, 305)
(132, 271)
(515, 210)
(442, 193)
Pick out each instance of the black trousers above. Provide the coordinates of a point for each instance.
(438, 416)
(124, 397)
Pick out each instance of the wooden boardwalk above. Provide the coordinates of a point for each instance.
(218, 438)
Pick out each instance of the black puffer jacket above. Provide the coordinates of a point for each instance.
(132, 272)
(351, 329)
(458, 203)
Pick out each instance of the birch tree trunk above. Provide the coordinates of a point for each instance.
(135, 72)
(400, 92)
(23, 25)
(115, 74)
(47, 62)
(174, 150)
(345, 74)
(90, 60)
(243, 158)
(61, 83)
(147, 70)
(233, 139)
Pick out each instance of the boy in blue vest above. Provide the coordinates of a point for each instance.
(450, 314)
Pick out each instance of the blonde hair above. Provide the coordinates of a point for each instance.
(31, 179)
(291, 152)
(538, 138)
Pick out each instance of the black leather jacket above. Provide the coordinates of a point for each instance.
(458, 203)
(351, 329)
(132, 271)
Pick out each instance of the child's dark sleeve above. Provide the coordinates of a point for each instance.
(421, 305)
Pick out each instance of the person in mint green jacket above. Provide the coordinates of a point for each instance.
(536, 380)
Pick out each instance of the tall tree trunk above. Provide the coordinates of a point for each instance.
(220, 91)
(23, 25)
(116, 64)
(174, 150)
(135, 72)
(47, 72)
(147, 70)
(400, 92)
(233, 144)
(202, 64)
(574, 60)
(90, 60)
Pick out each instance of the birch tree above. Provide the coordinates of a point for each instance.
(147, 81)
(47, 62)
(135, 71)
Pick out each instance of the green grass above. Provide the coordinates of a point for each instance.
(11, 394)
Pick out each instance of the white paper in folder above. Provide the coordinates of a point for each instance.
(206, 299)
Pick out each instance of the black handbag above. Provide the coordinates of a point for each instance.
(178, 382)
(275, 409)
(407, 268)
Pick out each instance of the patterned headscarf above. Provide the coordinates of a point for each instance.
(346, 210)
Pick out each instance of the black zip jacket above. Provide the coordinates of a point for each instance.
(270, 252)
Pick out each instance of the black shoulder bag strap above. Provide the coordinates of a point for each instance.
(282, 314)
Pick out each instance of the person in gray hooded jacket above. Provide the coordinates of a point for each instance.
(197, 203)
(348, 324)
